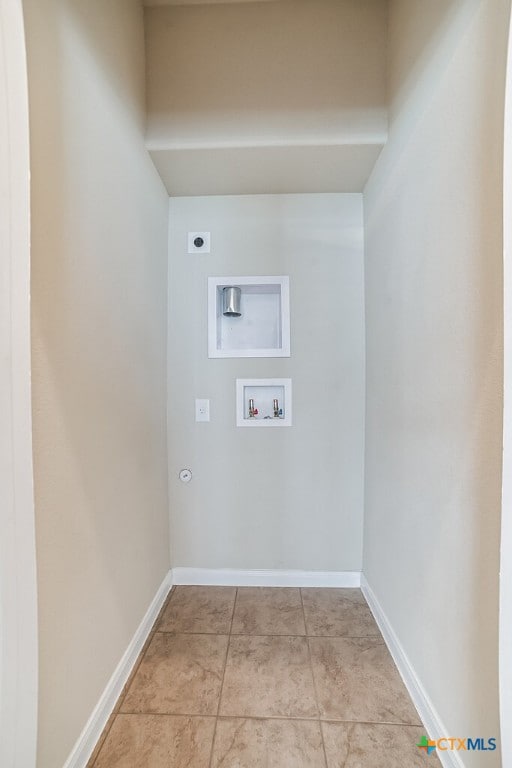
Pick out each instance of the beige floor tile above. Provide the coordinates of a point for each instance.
(180, 674)
(356, 745)
(268, 676)
(356, 679)
(338, 612)
(199, 609)
(157, 741)
(268, 611)
(246, 743)
(267, 694)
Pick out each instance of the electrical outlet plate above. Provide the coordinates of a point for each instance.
(193, 248)
(202, 410)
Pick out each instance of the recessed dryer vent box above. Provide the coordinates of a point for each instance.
(262, 329)
(258, 399)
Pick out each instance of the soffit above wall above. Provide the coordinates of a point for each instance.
(265, 170)
(263, 97)
(150, 3)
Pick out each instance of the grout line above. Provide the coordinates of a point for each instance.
(323, 743)
(223, 677)
(265, 634)
(347, 637)
(303, 612)
(233, 612)
(268, 634)
(193, 634)
(295, 718)
(271, 634)
(314, 682)
(227, 649)
(392, 723)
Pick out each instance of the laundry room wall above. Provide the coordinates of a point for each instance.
(290, 497)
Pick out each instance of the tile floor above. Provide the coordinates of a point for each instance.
(264, 678)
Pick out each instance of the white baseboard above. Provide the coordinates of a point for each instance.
(90, 735)
(264, 578)
(426, 710)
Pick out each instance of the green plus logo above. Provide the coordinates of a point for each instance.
(427, 745)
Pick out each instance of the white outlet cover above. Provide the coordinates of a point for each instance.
(205, 248)
(202, 410)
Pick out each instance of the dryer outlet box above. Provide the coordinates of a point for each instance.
(199, 242)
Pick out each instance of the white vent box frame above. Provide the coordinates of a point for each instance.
(263, 327)
(262, 394)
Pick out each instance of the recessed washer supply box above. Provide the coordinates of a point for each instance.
(262, 394)
(263, 327)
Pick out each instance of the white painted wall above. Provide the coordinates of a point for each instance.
(18, 602)
(99, 250)
(287, 498)
(433, 272)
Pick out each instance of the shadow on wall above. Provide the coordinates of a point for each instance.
(426, 43)
(426, 35)
(434, 351)
(99, 311)
(109, 41)
(94, 341)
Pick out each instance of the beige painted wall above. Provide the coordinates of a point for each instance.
(433, 272)
(292, 72)
(18, 599)
(506, 514)
(99, 273)
(288, 498)
(283, 97)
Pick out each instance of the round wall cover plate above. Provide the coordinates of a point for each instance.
(185, 475)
